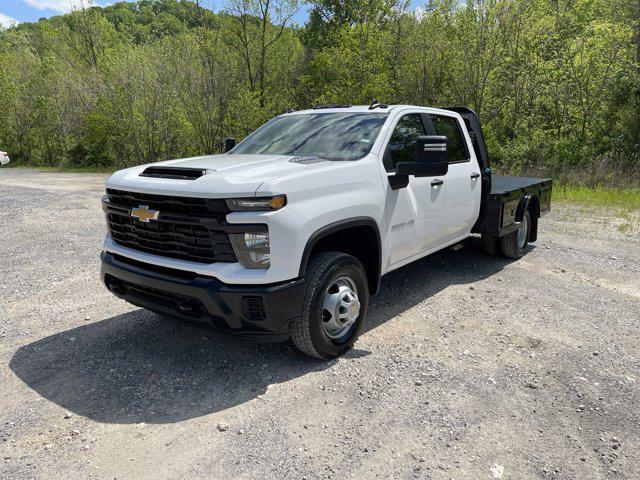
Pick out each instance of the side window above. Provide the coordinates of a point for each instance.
(456, 144)
(402, 144)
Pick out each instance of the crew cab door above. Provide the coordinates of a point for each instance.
(463, 188)
(415, 213)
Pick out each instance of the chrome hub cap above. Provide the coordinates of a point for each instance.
(340, 308)
(523, 232)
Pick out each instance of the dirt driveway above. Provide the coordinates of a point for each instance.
(471, 367)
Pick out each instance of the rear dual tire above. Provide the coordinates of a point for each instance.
(515, 243)
(489, 244)
(512, 245)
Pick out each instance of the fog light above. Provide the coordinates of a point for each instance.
(252, 249)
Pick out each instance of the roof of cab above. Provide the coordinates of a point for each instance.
(362, 109)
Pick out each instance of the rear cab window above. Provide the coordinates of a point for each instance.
(456, 144)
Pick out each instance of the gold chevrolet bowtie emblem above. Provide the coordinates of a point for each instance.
(143, 213)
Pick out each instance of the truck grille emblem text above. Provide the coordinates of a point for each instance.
(143, 213)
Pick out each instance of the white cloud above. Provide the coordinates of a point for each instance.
(58, 5)
(6, 21)
(419, 12)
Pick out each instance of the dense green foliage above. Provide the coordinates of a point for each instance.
(556, 82)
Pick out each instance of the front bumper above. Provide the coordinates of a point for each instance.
(261, 313)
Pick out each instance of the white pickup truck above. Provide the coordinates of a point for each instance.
(287, 234)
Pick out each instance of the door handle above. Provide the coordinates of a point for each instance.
(474, 176)
(436, 183)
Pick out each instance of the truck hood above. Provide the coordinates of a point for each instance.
(227, 175)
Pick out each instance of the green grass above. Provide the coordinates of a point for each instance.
(624, 198)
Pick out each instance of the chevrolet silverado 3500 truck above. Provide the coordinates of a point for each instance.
(288, 233)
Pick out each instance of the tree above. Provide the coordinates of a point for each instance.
(258, 26)
(556, 83)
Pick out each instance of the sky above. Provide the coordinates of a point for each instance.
(32, 10)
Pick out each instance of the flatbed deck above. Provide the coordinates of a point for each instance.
(507, 184)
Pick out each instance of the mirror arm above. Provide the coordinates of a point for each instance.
(398, 181)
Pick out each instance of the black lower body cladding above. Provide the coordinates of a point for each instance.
(254, 312)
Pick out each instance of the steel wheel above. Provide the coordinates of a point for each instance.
(514, 244)
(335, 305)
(340, 307)
(523, 232)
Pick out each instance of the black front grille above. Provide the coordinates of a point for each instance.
(180, 303)
(201, 207)
(187, 228)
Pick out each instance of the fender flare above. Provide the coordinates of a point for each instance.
(522, 207)
(334, 227)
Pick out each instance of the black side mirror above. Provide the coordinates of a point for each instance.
(229, 143)
(432, 158)
(432, 149)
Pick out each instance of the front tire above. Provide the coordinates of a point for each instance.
(335, 305)
(514, 244)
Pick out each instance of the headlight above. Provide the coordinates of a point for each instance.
(258, 204)
(252, 249)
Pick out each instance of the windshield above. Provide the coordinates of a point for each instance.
(332, 136)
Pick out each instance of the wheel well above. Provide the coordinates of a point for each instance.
(361, 241)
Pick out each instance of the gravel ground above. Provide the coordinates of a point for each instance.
(471, 367)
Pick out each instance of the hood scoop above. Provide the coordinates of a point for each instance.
(307, 159)
(176, 173)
